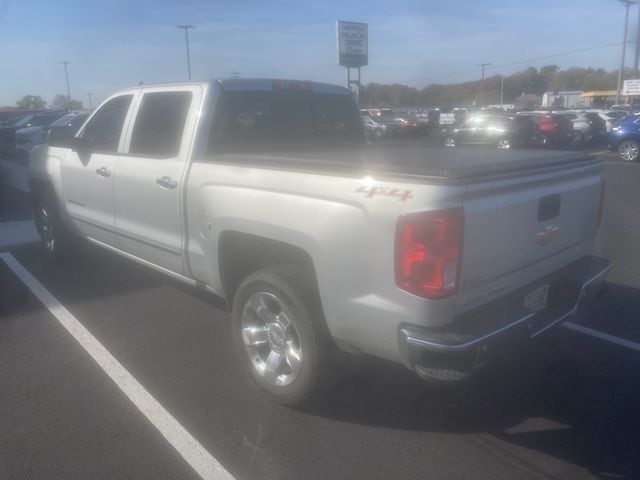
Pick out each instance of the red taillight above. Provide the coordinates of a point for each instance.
(547, 125)
(428, 252)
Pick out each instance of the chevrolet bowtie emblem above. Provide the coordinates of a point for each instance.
(548, 234)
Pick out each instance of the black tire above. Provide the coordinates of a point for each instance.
(54, 235)
(295, 289)
(578, 139)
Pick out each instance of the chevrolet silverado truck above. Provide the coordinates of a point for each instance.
(266, 192)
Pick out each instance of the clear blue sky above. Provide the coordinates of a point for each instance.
(116, 43)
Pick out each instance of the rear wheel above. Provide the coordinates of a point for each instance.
(629, 150)
(280, 332)
(578, 139)
(504, 144)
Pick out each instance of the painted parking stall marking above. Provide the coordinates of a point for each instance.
(623, 342)
(178, 437)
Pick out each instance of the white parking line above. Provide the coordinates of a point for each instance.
(623, 342)
(188, 447)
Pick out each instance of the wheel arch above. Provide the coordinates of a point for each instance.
(241, 254)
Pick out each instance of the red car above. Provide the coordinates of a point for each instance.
(553, 129)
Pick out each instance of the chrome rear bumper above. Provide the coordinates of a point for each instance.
(496, 329)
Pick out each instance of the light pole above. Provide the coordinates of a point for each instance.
(66, 76)
(186, 38)
(89, 95)
(501, 90)
(626, 4)
(636, 57)
(482, 65)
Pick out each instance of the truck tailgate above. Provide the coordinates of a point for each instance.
(520, 229)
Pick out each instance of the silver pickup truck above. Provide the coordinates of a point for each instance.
(265, 192)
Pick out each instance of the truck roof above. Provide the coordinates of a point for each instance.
(260, 84)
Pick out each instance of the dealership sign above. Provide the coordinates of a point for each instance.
(631, 87)
(353, 44)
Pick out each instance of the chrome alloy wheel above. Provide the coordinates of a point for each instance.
(46, 230)
(449, 142)
(504, 144)
(271, 339)
(629, 151)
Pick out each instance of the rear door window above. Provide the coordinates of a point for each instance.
(159, 125)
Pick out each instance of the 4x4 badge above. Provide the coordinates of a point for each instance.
(399, 193)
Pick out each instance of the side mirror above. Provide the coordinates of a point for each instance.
(77, 144)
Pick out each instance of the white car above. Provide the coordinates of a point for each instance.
(612, 117)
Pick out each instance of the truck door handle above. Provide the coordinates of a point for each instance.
(167, 182)
(104, 172)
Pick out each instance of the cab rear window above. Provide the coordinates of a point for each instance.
(250, 121)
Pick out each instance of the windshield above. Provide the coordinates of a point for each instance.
(21, 122)
(64, 120)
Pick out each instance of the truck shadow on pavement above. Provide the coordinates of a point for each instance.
(568, 396)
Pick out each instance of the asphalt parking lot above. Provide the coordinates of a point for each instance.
(568, 407)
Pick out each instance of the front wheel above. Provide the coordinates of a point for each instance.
(449, 141)
(53, 233)
(629, 150)
(280, 332)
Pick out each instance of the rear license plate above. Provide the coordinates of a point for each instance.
(536, 300)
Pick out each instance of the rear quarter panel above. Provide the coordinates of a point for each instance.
(346, 228)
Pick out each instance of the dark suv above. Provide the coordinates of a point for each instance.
(553, 129)
(500, 131)
(8, 128)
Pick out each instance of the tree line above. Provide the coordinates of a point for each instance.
(531, 81)
(36, 102)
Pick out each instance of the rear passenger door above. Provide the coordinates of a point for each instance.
(149, 181)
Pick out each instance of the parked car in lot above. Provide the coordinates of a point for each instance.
(612, 118)
(266, 193)
(423, 124)
(402, 127)
(27, 138)
(553, 129)
(500, 131)
(375, 130)
(9, 128)
(625, 139)
(588, 127)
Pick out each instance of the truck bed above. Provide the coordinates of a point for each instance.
(454, 164)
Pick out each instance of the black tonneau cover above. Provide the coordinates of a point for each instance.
(460, 163)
